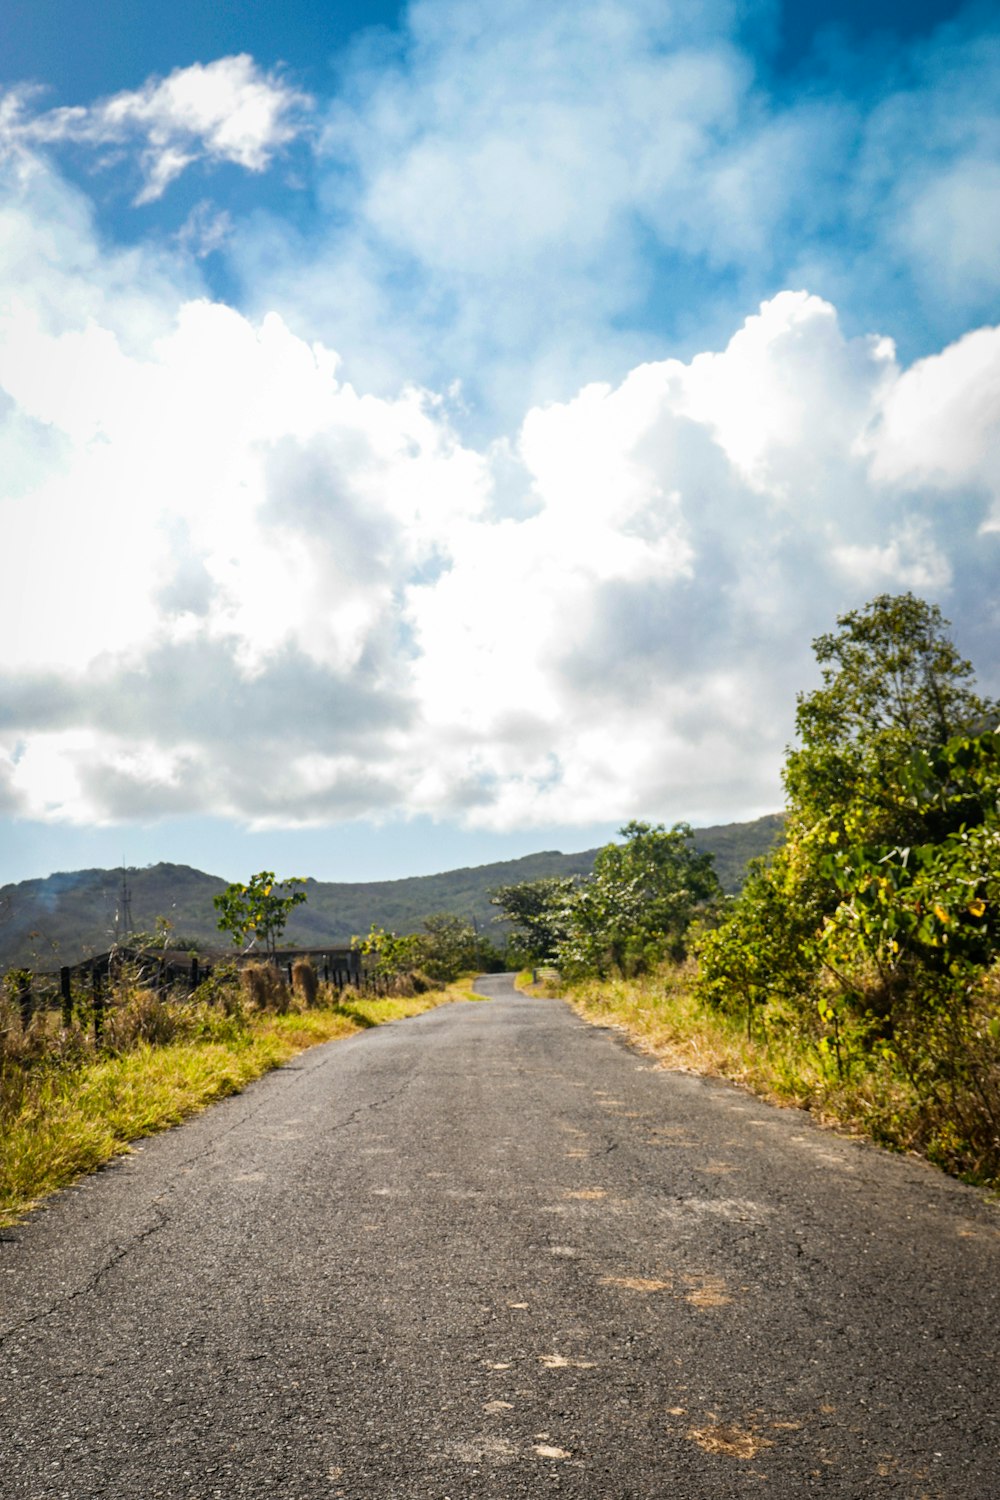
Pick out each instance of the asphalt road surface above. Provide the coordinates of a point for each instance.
(492, 1251)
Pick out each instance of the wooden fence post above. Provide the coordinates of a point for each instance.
(66, 990)
(194, 973)
(98, 993)
(25, 998)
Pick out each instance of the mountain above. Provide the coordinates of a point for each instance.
(66, 917)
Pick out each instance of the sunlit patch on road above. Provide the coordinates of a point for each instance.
(636, 1283)
(564, 1362)
(706, 1291)
(739, 1210)
(728, 1439)
(478, 1449)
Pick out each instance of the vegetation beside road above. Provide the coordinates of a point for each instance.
(664, 1014)
(67, 1104)
(858, 971)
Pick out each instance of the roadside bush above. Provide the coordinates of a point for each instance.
(305, 981)
(139, 1015)
(265, 987)
(950, 1056)
(22, 1046)
(404, 986)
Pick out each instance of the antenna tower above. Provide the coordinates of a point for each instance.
(123, 916)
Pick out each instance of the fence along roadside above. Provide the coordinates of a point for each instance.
(162, 970)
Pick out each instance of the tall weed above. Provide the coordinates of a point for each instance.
(265, 988)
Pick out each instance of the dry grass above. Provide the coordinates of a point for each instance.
(305, 981)
(874, 1097)
(265, 988)
(728, 1440)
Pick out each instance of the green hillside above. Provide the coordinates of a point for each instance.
(66, 917)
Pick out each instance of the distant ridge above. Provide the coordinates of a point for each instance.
(64, 917)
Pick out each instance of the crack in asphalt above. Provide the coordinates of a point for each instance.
(116, 1257)
(120, 1252)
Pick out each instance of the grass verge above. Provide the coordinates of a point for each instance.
(71, 1118)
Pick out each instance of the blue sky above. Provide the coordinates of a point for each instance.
(433, 433)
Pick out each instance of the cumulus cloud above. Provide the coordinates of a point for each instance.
(227, 110)
(514, 195)
(248, 587)
(938, 425)
(504, 179)
(427, 525)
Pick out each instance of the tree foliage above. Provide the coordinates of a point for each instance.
(536, 910)
(256, 913)
(894, 687)
(654, 883)
(448, 947)
(634, 910)
(451, 946)
(932, 905)
(883, 902)
(389, 956)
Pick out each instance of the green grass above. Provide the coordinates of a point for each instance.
(70, 1117)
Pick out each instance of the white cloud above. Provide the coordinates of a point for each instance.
(951, 227)
(515, 194)
(491, 197)
(245, 585)
(205, 230)
(939, 423)
(227, 110)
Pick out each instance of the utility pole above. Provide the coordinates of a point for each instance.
(123, 916)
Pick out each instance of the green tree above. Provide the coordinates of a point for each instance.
(892, 775)
(637, 907)
(930, 906)
(763, 947)
(882, 897)
(389, 955)
(536, 909)
(893, 686)
(256, 913)
(451, 946)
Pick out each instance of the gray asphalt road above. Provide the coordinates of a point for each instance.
(493, 1252)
